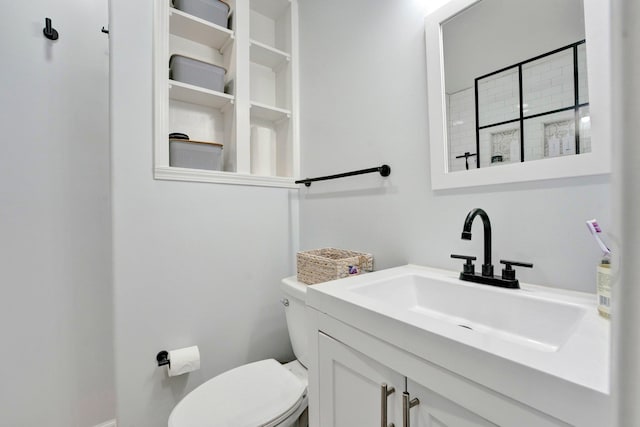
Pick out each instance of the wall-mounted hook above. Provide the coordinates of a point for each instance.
(104, 30)
(48, 31)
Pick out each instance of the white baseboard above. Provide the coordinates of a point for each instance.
(111, 423)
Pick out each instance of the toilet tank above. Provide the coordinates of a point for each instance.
(296, 312)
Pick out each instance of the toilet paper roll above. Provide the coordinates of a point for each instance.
(183, 360)
(263, 151)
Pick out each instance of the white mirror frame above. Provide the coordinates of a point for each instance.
(597, 162)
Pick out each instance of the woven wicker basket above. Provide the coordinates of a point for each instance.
(322, 265)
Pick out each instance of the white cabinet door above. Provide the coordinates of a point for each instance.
(437, 411)
(350, 392)
(349, 395)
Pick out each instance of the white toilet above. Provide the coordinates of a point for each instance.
(259, 394)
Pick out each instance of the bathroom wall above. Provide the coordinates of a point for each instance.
(55, 228)
(626, 109)
(515, 35)
(194, 263)
(461, 128)
(364, 103)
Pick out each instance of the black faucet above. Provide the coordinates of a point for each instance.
(508, 278)
(487, 267)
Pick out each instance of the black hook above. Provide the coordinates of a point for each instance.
(48, 31)
(104, 30)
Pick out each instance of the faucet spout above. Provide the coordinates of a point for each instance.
(487, 267)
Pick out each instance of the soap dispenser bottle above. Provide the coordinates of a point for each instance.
(603, 272)
(603, 282)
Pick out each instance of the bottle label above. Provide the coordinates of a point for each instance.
(604, 290)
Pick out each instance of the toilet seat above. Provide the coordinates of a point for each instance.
(259, 394)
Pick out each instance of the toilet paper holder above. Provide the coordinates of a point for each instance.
(163, 358)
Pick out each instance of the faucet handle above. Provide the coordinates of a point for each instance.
(508, 273)
(468, 266)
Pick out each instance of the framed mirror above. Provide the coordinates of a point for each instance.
(518, 90)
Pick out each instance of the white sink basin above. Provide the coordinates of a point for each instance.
(432, 314)
(507, 314)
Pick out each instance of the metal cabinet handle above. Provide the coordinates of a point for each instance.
(385, 392)
(407, 404)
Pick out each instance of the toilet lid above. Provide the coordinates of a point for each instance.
(251, 395)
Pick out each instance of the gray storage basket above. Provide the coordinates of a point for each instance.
(197, 73)
(195, 154)
(214, 11)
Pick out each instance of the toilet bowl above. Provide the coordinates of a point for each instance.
(259, 394)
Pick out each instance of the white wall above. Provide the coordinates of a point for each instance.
(498, 33)
(193, 263)
(461, 129)
(364, 103)
(55, 228)
(626, 297)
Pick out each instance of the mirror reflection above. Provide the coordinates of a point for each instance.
(515, 80)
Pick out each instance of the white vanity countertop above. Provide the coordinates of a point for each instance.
(579, 368)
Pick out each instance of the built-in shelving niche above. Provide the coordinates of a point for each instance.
(271, 76)
(258, 52)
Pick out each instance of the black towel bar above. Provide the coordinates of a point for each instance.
(384, 170)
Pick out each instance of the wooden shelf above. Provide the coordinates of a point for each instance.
(270, 8)
(196, 95)
(198, 30)
(268, 56)
(266, 112)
